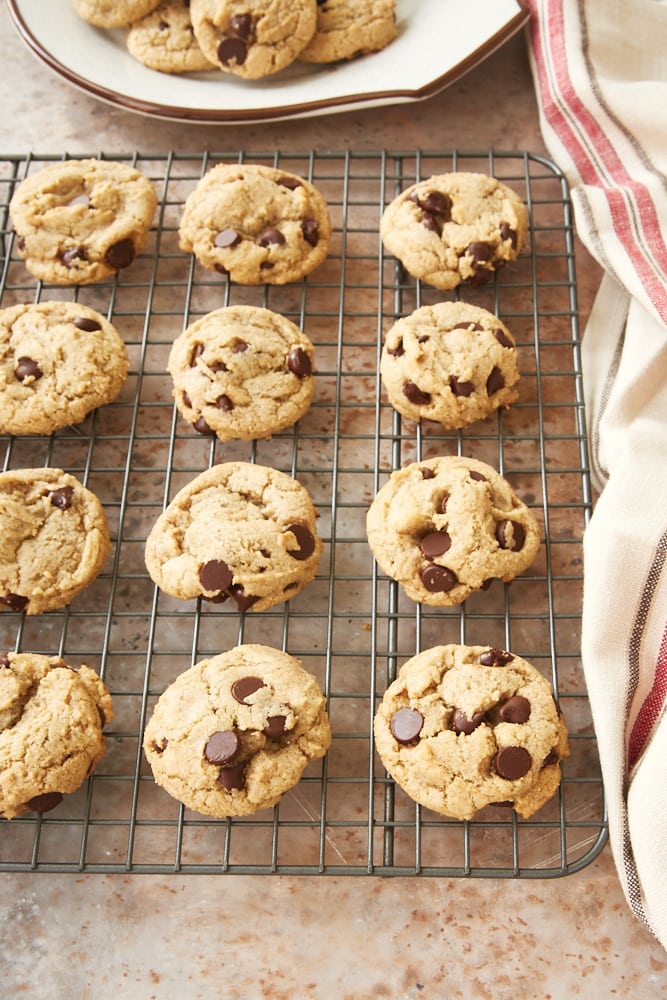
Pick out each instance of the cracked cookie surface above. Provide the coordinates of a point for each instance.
(240, 531)
(80, 221)
(58, 361)
(349, 28)
(51, 722)
(164, 40)
(54, 539)
(260, 225)
(463, 727)
(235, 732)
(454, 228)
(452, 363)
(446, 527)
(113, 13)
(242, 372)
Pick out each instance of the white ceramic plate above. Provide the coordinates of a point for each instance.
(438, 41)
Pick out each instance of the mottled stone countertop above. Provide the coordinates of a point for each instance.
(248, 937)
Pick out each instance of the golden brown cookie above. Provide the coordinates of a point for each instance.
(164, 40)
(113, 13)
(235, 732)
(463, 727)
(349, 28)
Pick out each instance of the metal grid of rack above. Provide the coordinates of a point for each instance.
(352, 627)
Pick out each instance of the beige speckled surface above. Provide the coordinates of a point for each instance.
(247, 937)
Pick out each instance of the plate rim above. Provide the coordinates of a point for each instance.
(237, 116)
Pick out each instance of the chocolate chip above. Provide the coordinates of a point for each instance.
(426, 472)
(269, 236)
(495, 381)
(479, 251)
(223, 747)
(218, 366)
(224, 403)
(46, 802)
(398, 351)
(415, 394)
(512, 762)
(443, 503)
(232, 777)
(305, 540)
(4, 659)
(311, 231)
(62, 498)
(494, 657)
(507, 233)
(86, 324)
(275, 726)
(551, 758)
(515, 709)
(289, 182)
(70, 256)
(197, 352)
(120, 255)
(510, 535)
(243, 600)
(432, 223)
(202, 427)
(462, 724)
(227, 238)
(215, 575)
(480, 277)
(161, 746)
(435, 544)
(232, 50)
(240, 25)
(461, 388)
(14, 601)
(244, 687)
(239, 347)
(298, 362)
(438, 579)
(502, 338)
(27, 368)
(477, 476)
(406, 725)
(437, 203)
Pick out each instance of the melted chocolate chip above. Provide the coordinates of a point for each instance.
(46, 802)
(215, 575)
(515, 709)
(275, 726)
(227, 238)
(232, 50)
(62, 498)
(507, 233)
(269, 236)
(86, 323)
(197, 352)
(244, 687)
(305, 541)
(4, 659)
(438, 579)
(432, 223)
(479, 251)
(222, 747)
(415, 394)
(502, 338)
(477, 476)
(298, 363)
(218, 366)
(70, 256)
(435, 544)
(14, 601)
(512, 762)
(426, 472)
(311, 231)
(551, 758)
(461, 388)
(406, 725)
(495, 381)
(224, 403)
(202, 427)
(462, 724)
(243, 600)
(120, 255)
(288, 181)
(443, 503)
(27, 368)
(239, 348)
(161, 746)
(398, 351)
(240, 25)
(233, 776)
(510, 535)
(494, 657)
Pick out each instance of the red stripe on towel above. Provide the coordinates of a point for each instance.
(652, 707)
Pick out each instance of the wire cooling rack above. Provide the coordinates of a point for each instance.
(352, 627)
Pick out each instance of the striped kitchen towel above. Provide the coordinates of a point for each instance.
(600, 73)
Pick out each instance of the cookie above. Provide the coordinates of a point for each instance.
(349, 28)
(113, 13)
(51, 722)
(54, 539)
(446, 527)
(164, 40)
(260, 225)
(242, 372)
(237, 530)
(58, 362)
(79, 221)
(454, 228)
(253, 38)
(235, 732)
(452, 363)
(463, 727)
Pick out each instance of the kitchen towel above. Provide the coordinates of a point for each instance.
(600, 74)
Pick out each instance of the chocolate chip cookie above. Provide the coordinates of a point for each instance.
(253, 38)
(79, 221)
(242, 372)
(349, 28)
(463, 727)
(58, 361)
(237, 530)
(51, 722)
(260, 225)
(235, 732)
(164, 40)
(54, 539)
(454, 228)
(452, 363)
(113, 13)
(446, 527)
